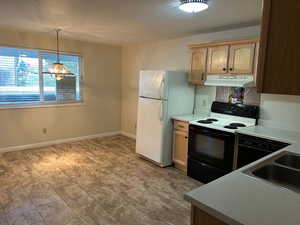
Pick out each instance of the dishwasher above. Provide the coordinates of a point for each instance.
(250, 149)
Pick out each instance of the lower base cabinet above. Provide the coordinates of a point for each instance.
(180, 145)
(199, 217)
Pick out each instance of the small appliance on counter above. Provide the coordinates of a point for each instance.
(162, 94)
(211, 140)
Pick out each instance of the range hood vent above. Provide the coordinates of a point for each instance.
(230, 81)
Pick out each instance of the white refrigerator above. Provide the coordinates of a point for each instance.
(162, 94)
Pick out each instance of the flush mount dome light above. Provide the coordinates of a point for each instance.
(193, 6)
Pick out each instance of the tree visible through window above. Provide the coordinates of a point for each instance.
(22, 80)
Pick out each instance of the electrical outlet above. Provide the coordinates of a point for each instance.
(205, 100)
(45, 131)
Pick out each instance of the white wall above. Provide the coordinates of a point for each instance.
(166, 55)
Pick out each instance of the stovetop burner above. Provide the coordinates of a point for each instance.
(205, 121)
(208, 121)
(237, 125)
(231, 127)
(212, 120)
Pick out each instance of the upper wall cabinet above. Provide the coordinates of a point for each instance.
(279, 57)
(217, 60)
(198, 66)
(241, 60)
(224, 58)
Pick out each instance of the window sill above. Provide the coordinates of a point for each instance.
(29, 106)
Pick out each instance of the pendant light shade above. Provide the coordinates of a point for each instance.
(58, 69)
(193, 6)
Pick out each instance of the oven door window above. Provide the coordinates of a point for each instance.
(210, 147)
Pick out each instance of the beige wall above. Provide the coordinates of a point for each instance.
(100, 112)
(166, 55)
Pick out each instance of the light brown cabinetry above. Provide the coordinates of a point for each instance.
(180, 144)
(278, 67)
(241, 60)
(199, 217)
(217, 60)
(198, 66)
(223, 58)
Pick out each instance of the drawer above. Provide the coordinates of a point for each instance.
(181, 125)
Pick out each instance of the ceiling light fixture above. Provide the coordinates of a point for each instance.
(193, 6)
(58, 69)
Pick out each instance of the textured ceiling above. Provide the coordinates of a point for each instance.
(125, 21)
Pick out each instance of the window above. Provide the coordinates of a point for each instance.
(23, 83)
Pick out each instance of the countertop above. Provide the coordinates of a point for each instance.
(238, 198)
(189, 117)
(271, 133)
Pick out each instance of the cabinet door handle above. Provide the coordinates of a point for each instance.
(224, 69)
(186, 137)
(162, 86)
(202, 77)
(230, 69)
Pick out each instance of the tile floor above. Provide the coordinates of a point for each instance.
(92, 182)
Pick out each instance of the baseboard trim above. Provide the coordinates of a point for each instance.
(128, 135)
(55, 142)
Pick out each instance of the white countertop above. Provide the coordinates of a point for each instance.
(189, 117)
(272, 134)
(238, 198)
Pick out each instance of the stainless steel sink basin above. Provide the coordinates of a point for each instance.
(289, 160)
(279, 175)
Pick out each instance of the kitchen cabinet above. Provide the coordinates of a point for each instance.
(198, 66)
(241, 59)
(223, 58)
(217, 60)
(199, 217)
(278, 67)
(180, 144)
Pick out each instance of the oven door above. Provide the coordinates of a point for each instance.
(210, 146)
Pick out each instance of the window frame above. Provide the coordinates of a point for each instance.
(43, 103)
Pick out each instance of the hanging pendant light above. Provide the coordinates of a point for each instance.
(58, 69)
(193, 6)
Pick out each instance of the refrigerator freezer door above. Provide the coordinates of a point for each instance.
(149, 138)
(153, 84)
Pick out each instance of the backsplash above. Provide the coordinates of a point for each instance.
(251, 97)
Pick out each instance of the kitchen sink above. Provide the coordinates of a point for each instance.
(279, 175)
(289, 160)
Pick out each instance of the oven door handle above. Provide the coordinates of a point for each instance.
(211, 133)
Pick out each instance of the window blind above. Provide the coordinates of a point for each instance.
(22, 80)
(19, 76)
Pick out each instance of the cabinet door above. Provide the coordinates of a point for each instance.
(278, 64)
(180, 148)
(241, 58)
(198, 66)
(217, 60)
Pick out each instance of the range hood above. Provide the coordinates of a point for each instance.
(230, 81)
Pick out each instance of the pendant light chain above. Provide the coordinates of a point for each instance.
(57, 46)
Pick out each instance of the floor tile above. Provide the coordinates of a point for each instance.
(58, 213)
(91, 182)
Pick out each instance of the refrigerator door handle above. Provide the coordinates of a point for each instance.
(161, 116)
(162, 87)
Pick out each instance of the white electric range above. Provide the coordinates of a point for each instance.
(225, 122)
(212, 140)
